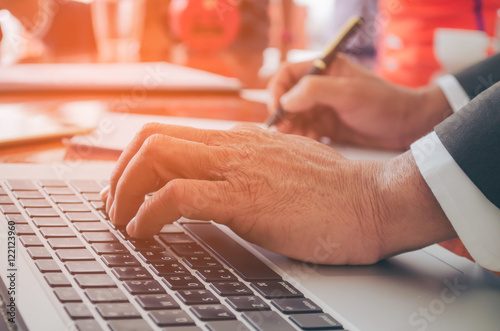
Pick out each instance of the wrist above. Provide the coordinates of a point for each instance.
(412, 217)
(424, 108)
(433, 106)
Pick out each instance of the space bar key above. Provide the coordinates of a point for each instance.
(244, 263)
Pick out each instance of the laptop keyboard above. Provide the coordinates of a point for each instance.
(191, 275)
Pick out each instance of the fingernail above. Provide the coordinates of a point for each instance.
(111, 213)
(109, 204)
(104, 193)
(104, 190)
(131, 227)
(284, 99)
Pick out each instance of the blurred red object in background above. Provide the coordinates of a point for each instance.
(205, 25)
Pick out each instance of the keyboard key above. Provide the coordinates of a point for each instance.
(99, 295)
(92, 196)
(194, 297)
(231, 289)
(2, 191)
(57, 232)
(74, 207)
(34, 203)
(21, 185)
(168, 269)
(91, 227)
(5, 200)
(47, 266)
(246, 303)
(145, 245)
(39, 253)
(156, 301)
(244, 263)
(74, 255)
(189, 250)
(30, 241)
(215, 275)
(176, 238)
(16, 218)
(229, 325)
(212, 312)
(98, 205)
(143, 287)
(121, 232)
(99, 237)
(276, 290)
(130, 273)
(9, 209)
(197, 262)
(67, 294)
(94, 280)
(28, 195)
(77, 310)
(41, 212)
(57, 279)
(117, 310)
(63, 199)
(110, 248)
(58, 191)
(152, 256)
(171, 228)
(129, 325)
(57, 243)
(87, 325)
(49, 222)
(119, 260)
(296, 306)
(182, 282)
(82, 217)
(24, 229)
(103, 214)
(52, 183)
(316, 322)
(171, 318)
(267, 320)
(84, 267)
(86, 186)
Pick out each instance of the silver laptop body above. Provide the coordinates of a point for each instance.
(429, 289)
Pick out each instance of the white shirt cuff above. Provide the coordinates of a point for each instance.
(455, 94)
(475, 219)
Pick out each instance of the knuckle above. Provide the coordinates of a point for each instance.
(245, 127)
(309, 84)
(148, 129)
(155, 142)
(174, 192)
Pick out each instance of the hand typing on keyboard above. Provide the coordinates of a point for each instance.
(287, 193)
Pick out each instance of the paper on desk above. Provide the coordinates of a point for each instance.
(137, 77)
(114, 131)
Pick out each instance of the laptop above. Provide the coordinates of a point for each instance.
(64, 266)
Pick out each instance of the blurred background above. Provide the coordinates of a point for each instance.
(213, 35)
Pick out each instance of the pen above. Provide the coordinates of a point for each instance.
(321, 65)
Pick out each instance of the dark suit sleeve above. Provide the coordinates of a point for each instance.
(480, 76)
(472, 137)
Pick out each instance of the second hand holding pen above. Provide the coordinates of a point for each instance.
(321, 65)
